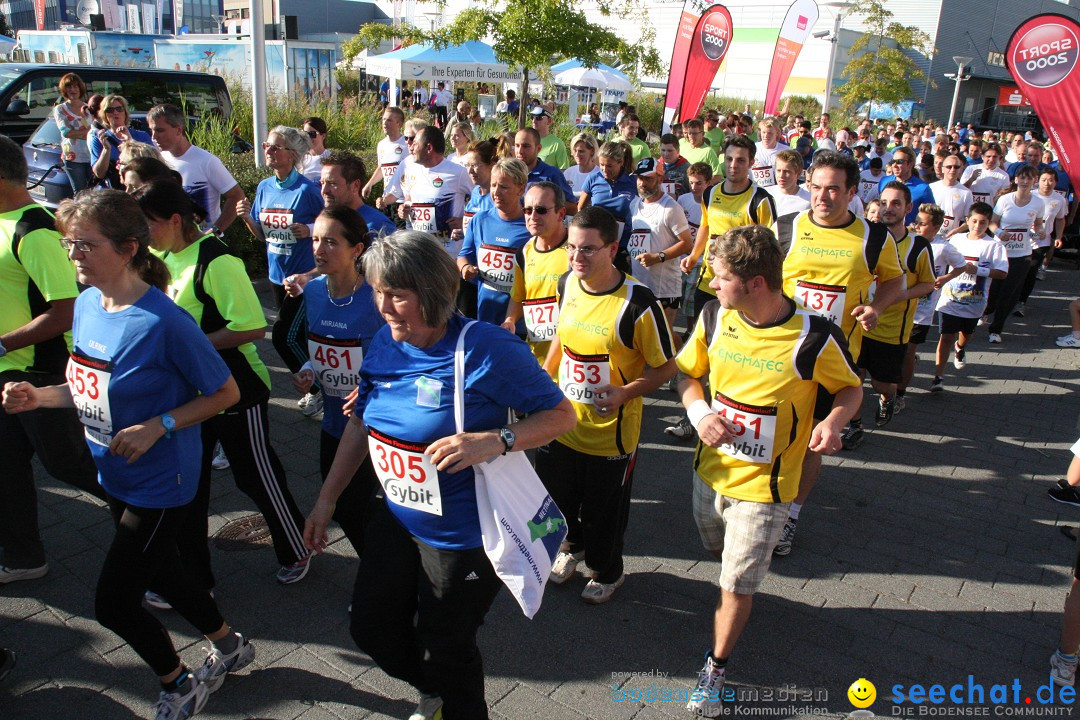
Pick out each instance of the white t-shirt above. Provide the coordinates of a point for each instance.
(443, 190)
(443, 98)
(576, 178)
(205, 178)
(788, 204)
(1055, 208)
(692, 208)
(420, 95)
(946, 256)
(1017, 221)
(988, 185)
(459, 159)
(390, 153)
(656, 226)
(763, 169)
(313, 166)
(965, 295)
(955, 201)
(886, 157)
(868, 185)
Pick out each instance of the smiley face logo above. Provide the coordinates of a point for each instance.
(862, 693)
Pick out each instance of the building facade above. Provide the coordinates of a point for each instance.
(198, 16)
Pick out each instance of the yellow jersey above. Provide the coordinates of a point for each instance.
(536, 278)
(764, 379)
(721, 212)
(917, 261)
(606, 339)
(829, 270)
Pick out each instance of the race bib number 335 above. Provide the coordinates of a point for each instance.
(406, 474)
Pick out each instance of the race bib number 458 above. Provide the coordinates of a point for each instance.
(407, 475)
(275, 224)
(88, 379)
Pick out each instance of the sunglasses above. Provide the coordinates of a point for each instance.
(115, 109)
(312, 134)
(538, 209)
(410, 138)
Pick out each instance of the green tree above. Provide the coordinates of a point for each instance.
(531, 33)
(879, 70)
(5, 29)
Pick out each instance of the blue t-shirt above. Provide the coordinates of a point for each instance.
(338, 334)
(615, 197)
(407, 402)
(920, 193)
(278, 205)
(491, 244)
(95, 148)
(133, 365)
(543, 171)
(377, 223)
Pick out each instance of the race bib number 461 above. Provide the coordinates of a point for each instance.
(88, 379)
(825, 300)
(407, 475)
(336, 363)
(755, 429)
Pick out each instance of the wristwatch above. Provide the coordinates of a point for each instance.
(169, 424)
(662, 256)
(508, 438)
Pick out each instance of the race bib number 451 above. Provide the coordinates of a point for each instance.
(88, 379)
(407, 475)
(755, 429)
(825, 300)
(581, 375)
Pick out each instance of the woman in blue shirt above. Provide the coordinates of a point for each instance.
(489, 252)
(611, 187)
(341, 321)
(142, 376)
(425, 583)
(479, 160)
(282, 215)
(111, 129)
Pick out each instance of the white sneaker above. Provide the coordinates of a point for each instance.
(174, 706)
(705, 697)
(1040, 274)
(984, 320)
(313, 406)
(1062, 672)
(563, 567)
(994, 339)
(156, 601)
(1067, 341)
(220, 462)
(899, 403)
(217, 666)
(429, 708)
(598, 593)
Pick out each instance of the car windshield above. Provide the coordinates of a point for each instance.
(47, 134)
(7, 76)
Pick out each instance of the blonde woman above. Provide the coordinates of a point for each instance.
(111, 129)
(584, 149)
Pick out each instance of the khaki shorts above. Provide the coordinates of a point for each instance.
(742, 531)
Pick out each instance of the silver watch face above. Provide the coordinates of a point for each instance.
(508, 437)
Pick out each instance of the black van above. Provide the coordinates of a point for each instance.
(28, 92)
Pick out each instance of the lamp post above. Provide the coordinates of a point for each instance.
(840, 7)
(961, 61)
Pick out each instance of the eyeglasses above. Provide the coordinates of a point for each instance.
(538, 209)
(898, 162)
(586, 252)
(81, 245)
(275, 148)
(409, 138)
(312, 134)
(115, 109)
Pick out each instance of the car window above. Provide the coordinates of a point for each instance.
(146, 92)
(47, 134)
(40, 94)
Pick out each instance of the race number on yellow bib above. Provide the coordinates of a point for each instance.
(755, 429)
(336, 363)
(88, 379)
(581, 375)
(496, 266)
(407, 475)
(422, 216)
(825, 300)
(541, 318)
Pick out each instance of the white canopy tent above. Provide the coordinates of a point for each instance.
(470, 62)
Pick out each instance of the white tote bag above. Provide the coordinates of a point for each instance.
(522, 527)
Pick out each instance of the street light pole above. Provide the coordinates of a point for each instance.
(961, 61)
(835, 39)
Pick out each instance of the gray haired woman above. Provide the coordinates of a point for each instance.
(424, 555)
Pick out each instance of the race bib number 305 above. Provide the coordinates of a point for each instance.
(407, 475)
(496, 266)
(755, 429)
(825, 300)
(336, 363)
(581, 375)
(275, 224)
(541, 318)
(88, 378)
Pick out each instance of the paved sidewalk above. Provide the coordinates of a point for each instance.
(929, 554)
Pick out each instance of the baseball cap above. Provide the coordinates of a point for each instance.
(539, 111)
(861, 144)
(647, 167)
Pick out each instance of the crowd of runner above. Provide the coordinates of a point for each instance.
(129, 363)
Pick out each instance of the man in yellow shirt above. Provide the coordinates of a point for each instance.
(764, 359)
(612, 346)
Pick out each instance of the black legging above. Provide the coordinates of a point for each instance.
(143, 556)
(289, 334)
(1037, 257)
(352, 509)
(1004, 293)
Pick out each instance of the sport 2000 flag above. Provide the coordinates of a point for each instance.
(1042, 56)
(683, 35)
(710, 43)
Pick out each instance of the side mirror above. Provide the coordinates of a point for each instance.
(17, 106)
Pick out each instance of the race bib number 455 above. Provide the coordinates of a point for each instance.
(581, 375)
(88, 379)
(496, 265)
(825, 300)
(755, 429)
(407, 475)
